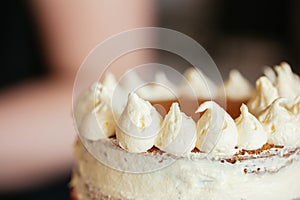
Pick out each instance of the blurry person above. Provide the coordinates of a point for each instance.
(36, 125)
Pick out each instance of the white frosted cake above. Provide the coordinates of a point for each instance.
(135, 152)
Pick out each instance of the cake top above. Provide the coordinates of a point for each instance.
(271, 116)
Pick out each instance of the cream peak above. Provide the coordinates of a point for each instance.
(287, 83)
(266, 93)
(196, 83)
(251, 132)
(216, 130)
(138, 125)
(281, 124)
(237, 82)
(178, 132)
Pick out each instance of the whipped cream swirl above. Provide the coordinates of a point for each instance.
(138, 125)
(236, 82)
(196, 83)
(86, 101)
(266, 93)
(287, 83)
(99, 122)
(91, 97)
(270, 74)
(160, 89)
(251, 132)
(216, 130)
(178, 132)
(281, 124)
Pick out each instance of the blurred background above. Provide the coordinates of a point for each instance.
(44, 43)
(245, 35)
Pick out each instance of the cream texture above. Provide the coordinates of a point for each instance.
(216, 130)
(96, 120)
(191, 177)
(287, 82)
(294, 107)
(197, 84)
(138, 125)
(178, 132)
(266, 93)
(251, 134)
(281, 124)
(98, 123)
(161, 89)
(237, 82)
(110, 82)
(131, 81)
(87, 100)
(91, 97)
(279, 83)
(270, 74)
(178, 173)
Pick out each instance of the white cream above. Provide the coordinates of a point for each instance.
(294, 107)
(191, 177)
(138, 125)
(160, 89)
(87, 100)
(251, 134)
(287, 83)
(91, 97)
(237, 87)
(110, 82)
(131, 81)
(216, 130)
(266, 93)
(281, 124)
(99, 122)
(270, 74)
(198, 85)
(178, 132)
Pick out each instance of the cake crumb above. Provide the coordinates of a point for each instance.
(258, 151)
(196, 150)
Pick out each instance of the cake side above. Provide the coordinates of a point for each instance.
(130, 151)
(192, 177)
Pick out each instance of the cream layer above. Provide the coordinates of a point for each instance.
(273, 175)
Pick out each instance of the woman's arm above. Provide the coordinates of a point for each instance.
(35, 118)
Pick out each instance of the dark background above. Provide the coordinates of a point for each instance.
(246, 35)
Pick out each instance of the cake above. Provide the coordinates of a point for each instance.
(135, 151)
